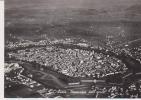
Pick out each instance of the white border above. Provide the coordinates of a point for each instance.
(1, 49)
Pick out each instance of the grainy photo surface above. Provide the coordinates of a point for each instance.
(72, 49)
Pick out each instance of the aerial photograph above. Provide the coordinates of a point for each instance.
(72, 49)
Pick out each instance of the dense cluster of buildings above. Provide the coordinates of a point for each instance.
(135, 52)
(72, 62)
(118, 92)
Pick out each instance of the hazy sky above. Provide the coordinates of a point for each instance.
(57, 4)
(90, 3)
(116, 9)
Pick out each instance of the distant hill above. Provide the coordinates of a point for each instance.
(135, 9)
(62, 18)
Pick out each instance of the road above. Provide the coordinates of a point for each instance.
(129, 42)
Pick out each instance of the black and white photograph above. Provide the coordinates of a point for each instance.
(72, 49)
